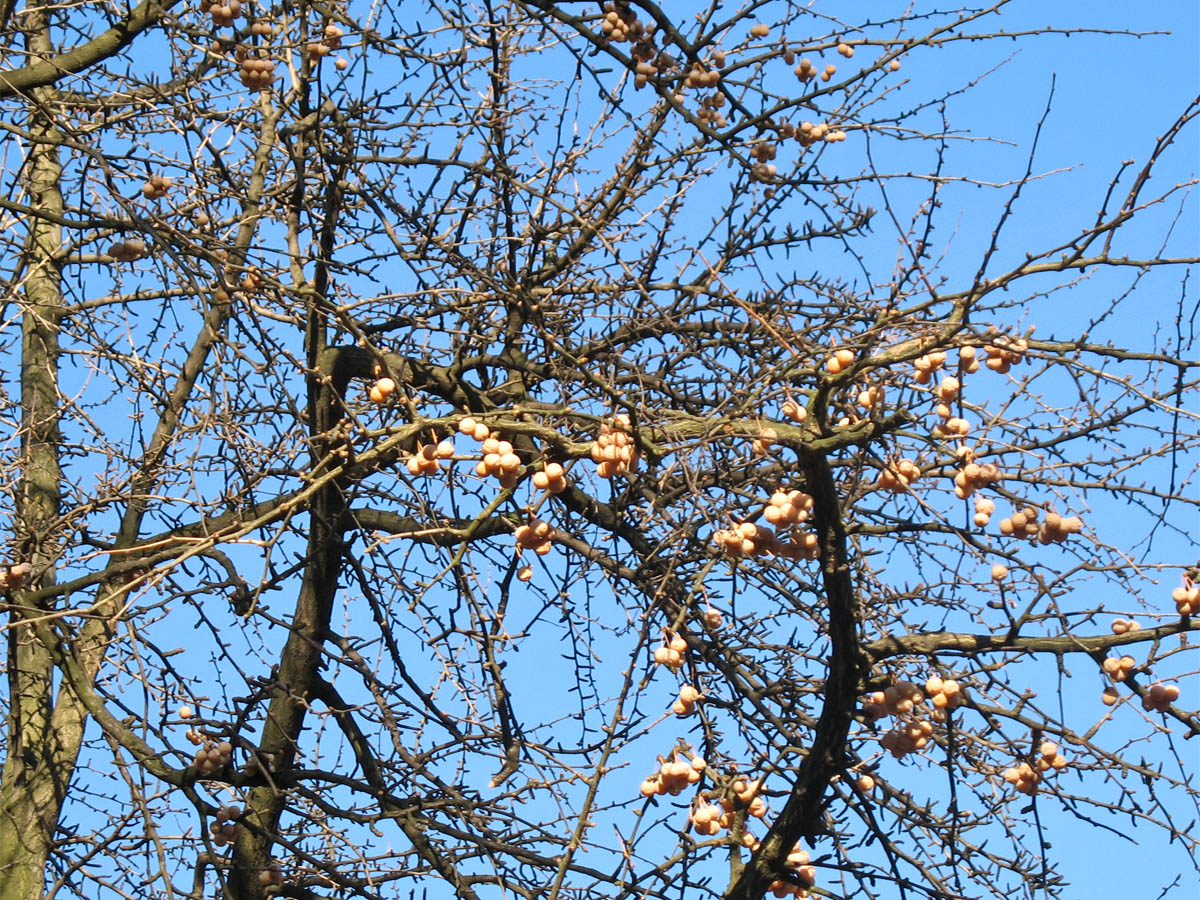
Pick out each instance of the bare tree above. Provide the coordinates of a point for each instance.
(546, 449)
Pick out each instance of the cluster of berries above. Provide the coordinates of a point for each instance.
(261, 28)
(253, 281)
(700, 77)
(1118, 669)
(671, 653)
(551, 478)
(927, 364)
(973, 477)
(381, 390)
(897, 478)
(254, 72)
(844, 358)
(806, 71)
(613, 450)
(12, 578)
(907, 737)
(686, 704)
(790, 409)
(1025, 778)
(1160, 697)
(225, 828)
(763, 170)
(427, 459)
(705, 819)
(870, 397)
(223, 14)
(845, 49)
(1187, 598)
(620, 24)
(212, 756)
(673, 776)
(499, 460)
(156, 187)
(709, 110)
(785, 509)
(1053, 530)
(536, 535)
(1004, 353)
(331, 40)
(943, 693)
(805, 875)
(897, 700)
(1123, 626)
(127, 251)
(749, 539)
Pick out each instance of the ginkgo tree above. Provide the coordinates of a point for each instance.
(563, 449)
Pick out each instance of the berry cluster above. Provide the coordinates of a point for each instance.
(845, 50)
(705, 819)
(331, 39)
(212, 756)
(748, 539)
(381, 390)
(13, 577)
(1187, 598)
(620, 24)
(805, 875)
(673, 776)
(536, 535)
(899, 699)
(686, 704)
(870, 397)
(907, 737)
(944, 694)
(1053, 530)
(1004, 353)
(788, 508)
(971, 478)
(763, 152)
(1122, 626)
(225, 828)
(255, 73)
(477, 430)
(223, 14)
(261, 28)
(156, 187)
(842, 359)
(253, 281)
(614, 450)
(427, 459)
(1023, 777)
(793, 410)
(551, 478)
(1118, 669)
(671, 653)
(127, 251)
(1160, 697)
(927, 364)
(897, 478)
(499, 460)
(700, 77)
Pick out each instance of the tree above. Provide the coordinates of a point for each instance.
(415, 402)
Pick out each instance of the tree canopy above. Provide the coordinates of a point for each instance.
(570, 450)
